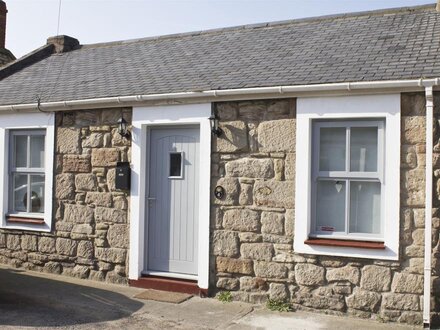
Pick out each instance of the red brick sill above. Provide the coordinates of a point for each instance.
(345, 243)
(34, 221)
(169, 284)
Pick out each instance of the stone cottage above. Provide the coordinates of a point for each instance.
(296, 161)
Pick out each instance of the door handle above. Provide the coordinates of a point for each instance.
(149, 201)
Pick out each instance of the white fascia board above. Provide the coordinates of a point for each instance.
(346, 88)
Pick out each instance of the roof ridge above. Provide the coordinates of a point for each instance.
(376, 12)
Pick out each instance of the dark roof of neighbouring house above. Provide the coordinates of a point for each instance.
(389, 44)
(6, 56)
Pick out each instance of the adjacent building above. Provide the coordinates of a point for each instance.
(5, 55)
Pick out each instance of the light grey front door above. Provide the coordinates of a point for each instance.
(173, 200)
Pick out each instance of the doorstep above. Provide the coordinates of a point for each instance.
(169, 284)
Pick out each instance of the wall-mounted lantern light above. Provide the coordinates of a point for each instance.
(123, 128)
(215, 129)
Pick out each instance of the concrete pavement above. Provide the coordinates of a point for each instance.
(35, 300)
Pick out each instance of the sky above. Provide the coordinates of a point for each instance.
(31, 22)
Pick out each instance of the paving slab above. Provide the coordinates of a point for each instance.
(300, 320)
(44, 301)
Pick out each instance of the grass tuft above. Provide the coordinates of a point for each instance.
(278, 306)
(224, 296)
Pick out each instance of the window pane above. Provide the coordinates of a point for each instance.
(20, 150)
(365, 207)
(363, 149)
(176, 164)
(37, 151)
(37, 193)
(330, 206)
(20, 192)
(332, 149)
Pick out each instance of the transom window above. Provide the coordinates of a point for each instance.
(27, 177)
(347, 179)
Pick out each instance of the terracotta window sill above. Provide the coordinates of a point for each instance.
(13, 219)
(346, 243)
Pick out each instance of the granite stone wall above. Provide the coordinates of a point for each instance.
(89, 237)
(252, 228)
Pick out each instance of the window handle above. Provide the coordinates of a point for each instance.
(338, 186)
(151, 198)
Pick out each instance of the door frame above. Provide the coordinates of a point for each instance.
(145, 118)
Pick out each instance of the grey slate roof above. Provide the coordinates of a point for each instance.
(383, 45)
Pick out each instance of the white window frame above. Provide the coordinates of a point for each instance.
(385, 107)
(9, 123)
(347, 175)
(13, 169)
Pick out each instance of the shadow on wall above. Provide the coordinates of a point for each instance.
(34, 302)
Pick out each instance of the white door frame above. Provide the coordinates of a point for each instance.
(147, 117)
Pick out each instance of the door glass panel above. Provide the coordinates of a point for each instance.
(332, 149)
(363, 149)
(20, 192)
(37, 151)
(20, 150)
(330, 206)
(365, 207)
(175, 164)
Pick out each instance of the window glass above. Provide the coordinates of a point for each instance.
(348, 200)
(20, 188)
(365, 207)
(175, 164)
(27, 171)
(330, 206)
(37, 194)
(20, 150)
(332, 149)
(363, 149)
(37, 151)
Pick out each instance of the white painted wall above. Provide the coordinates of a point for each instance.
(348, 107)
(27, 121)
(143, 118)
